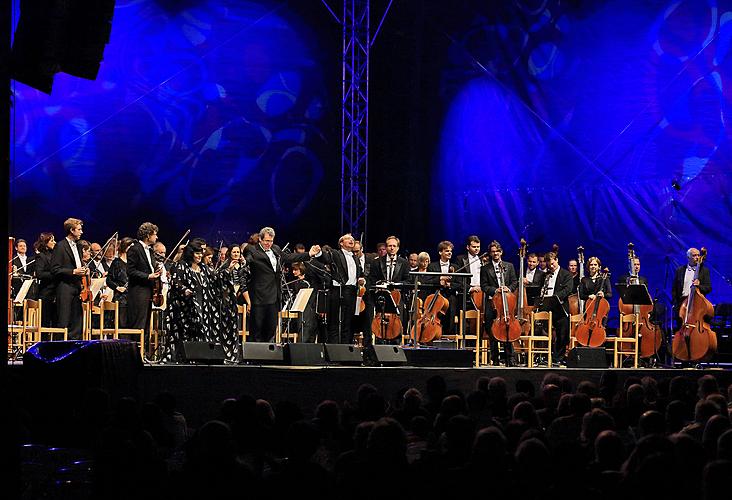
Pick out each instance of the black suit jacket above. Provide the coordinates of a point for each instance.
(63, 264)
(562, 287)
(538, 277)
(434, 267)
(264, 282)
(378, 271)
(338, 265)
(705, 283)
(138, 268)
(489, 280)
(46, 280)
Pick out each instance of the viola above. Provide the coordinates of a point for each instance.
(590, 332)
(85, 295)
(362, 304)
(695, 340)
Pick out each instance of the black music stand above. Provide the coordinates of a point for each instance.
(550, 304)
(384, 304)
(634, 295)
(532, 293)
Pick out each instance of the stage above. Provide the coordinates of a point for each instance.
(200, 389)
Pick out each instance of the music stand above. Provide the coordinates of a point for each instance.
(385, 304)
(298, 308)
(532, 293)
(23, 292)
(634, 295)
(550, 303)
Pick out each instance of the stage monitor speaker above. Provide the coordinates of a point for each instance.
(390, 355)
(587, 357)
(203, 353)
(304, 354)
(262, 353)
(343, 354)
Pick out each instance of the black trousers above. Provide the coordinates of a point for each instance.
(490, 316)
(264, 322)
(341, 305)
(139, 305)
(68, 308)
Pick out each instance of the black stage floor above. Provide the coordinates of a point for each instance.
(200, 389)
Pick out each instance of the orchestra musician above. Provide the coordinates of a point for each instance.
(67, 269)
(347, 275)
(117, 280)
(388, 268)
(142, 273)
(22, 266)
(46, 283)
(642, 280)
(109, 256)
(592, 285)
(558, 282)
(445, 265)
(412, 262)
(470, 262)
(232, 279)
(534, 276)
(96, 267)
(489, 283)
(265, 259)
(573, 267)
(684, 278)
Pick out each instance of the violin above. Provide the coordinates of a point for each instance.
(649, 334)
(590, 331)
(361, 304)
(505, 327)
(695, 340)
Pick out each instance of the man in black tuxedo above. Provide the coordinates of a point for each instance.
(447, 288)
(557, 282)
(684, 279)
(534, 276)
(22, 268)
(67, 270)
(347, 276)
(387, 268)
(489, 283)
(265, 264)
(142, 272)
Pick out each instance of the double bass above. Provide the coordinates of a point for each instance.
(523, 309)
(576, 304)
(695, 340)
(590, 332)
(649, 334)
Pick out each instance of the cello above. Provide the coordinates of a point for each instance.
(695, 340)
(649, 334)
(590, 331)
(506, 327)
(388, 326)
(429, 326)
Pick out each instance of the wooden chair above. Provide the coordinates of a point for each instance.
(532, 339)
(626, 346)
(32, 328)
(242, 311)
(574, 320)
(481, 345)
(116, 331)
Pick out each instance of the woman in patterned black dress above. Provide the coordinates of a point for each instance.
(231, 285)
(190, 309)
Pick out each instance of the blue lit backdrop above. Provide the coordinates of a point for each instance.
(206, 114)
(570, 124)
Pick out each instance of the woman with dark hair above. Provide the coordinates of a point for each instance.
(46, 283)
(117, 279)
(231, 290)
(189, 309)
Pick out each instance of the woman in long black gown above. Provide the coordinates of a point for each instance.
(189, 308)
(231, 286)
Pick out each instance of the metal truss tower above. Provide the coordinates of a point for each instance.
(355, 117)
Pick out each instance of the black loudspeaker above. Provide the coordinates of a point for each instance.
(390, 355)
(203, 353)
(587, 357)
(304, 354)
(262, 353)
(343, 354)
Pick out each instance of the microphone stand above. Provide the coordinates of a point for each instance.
(326, 276)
